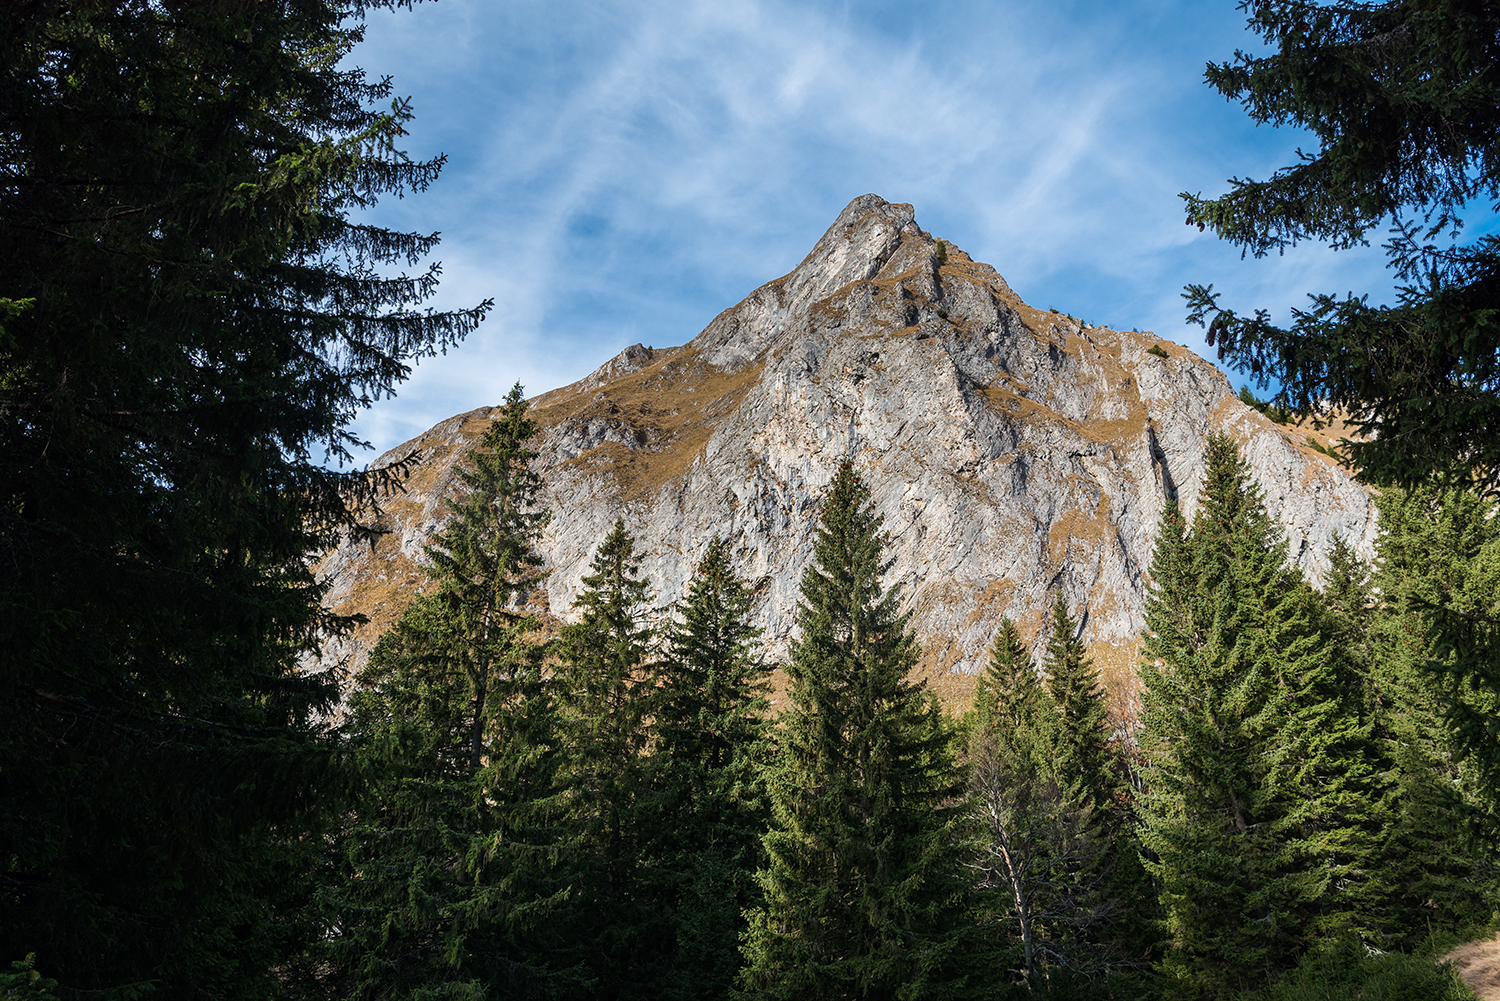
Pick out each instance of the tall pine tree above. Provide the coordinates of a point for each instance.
(707, 761)
(450, 884)
(1258, 813)
(619, 930)
(1402, 100)
(863, 880)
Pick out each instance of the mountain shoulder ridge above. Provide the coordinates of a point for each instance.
(1012, 451)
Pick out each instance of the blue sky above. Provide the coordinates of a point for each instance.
(622, 171)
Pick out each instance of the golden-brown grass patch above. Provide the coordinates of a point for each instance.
(671, 408)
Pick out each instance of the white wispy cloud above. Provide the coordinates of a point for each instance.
(621, 172)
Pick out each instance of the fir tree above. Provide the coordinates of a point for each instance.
(1082, 759)
(862, 884)
(1010, 701)
(450, 883)
(1348, 587)
(619, 931)
(1048, 794)
(706, 762)
(195, 307)
(1402, 101)
(484, 560)
(1258, 815)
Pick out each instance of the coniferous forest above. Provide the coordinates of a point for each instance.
(1305, 806)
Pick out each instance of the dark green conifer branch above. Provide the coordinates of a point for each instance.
(1404, 100)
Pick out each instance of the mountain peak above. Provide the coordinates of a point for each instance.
(1014, 453)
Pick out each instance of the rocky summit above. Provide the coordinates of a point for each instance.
(1013, 452)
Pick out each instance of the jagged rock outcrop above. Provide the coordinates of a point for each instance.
(1013, 452)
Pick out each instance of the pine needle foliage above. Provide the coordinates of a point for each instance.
(192, 318)
(711, 746)
(863, 887)
(619, 931)
(1258, 811)
(1440, 575)
(1402, 99)
(603, 672)
(712, 681)
(451, 883)
(1349, 591)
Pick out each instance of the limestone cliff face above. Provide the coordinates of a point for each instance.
(1013, 452)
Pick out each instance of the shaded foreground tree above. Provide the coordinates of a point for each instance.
(1403, 98)
(1056, 841)
(191, 320)
(863, 882)
(1030, 836)
(1040, 852)
(707, 762)
(450, 875)
(618, 930)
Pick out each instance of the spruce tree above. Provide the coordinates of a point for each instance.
(1010, 701)
(1348, 587)
(1110, 914)
(1081, 755)
(195, 306)
(706, 762)
(1038, 855)
(1402, 102)
(1258, 814)
(1348, 591)
(450, 884)
(863, 879)
(1437, 866)
(1402, 99)
(1039, 848)
(619, 930)
(1048, 792)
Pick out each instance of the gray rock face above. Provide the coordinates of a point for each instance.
(1013, 453)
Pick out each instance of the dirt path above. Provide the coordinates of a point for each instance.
(1479, 964)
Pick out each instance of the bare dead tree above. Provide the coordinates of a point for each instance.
(1045, 854)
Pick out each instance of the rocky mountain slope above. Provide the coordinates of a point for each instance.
(1013, 452)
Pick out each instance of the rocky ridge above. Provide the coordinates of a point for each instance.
(1013, 453)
